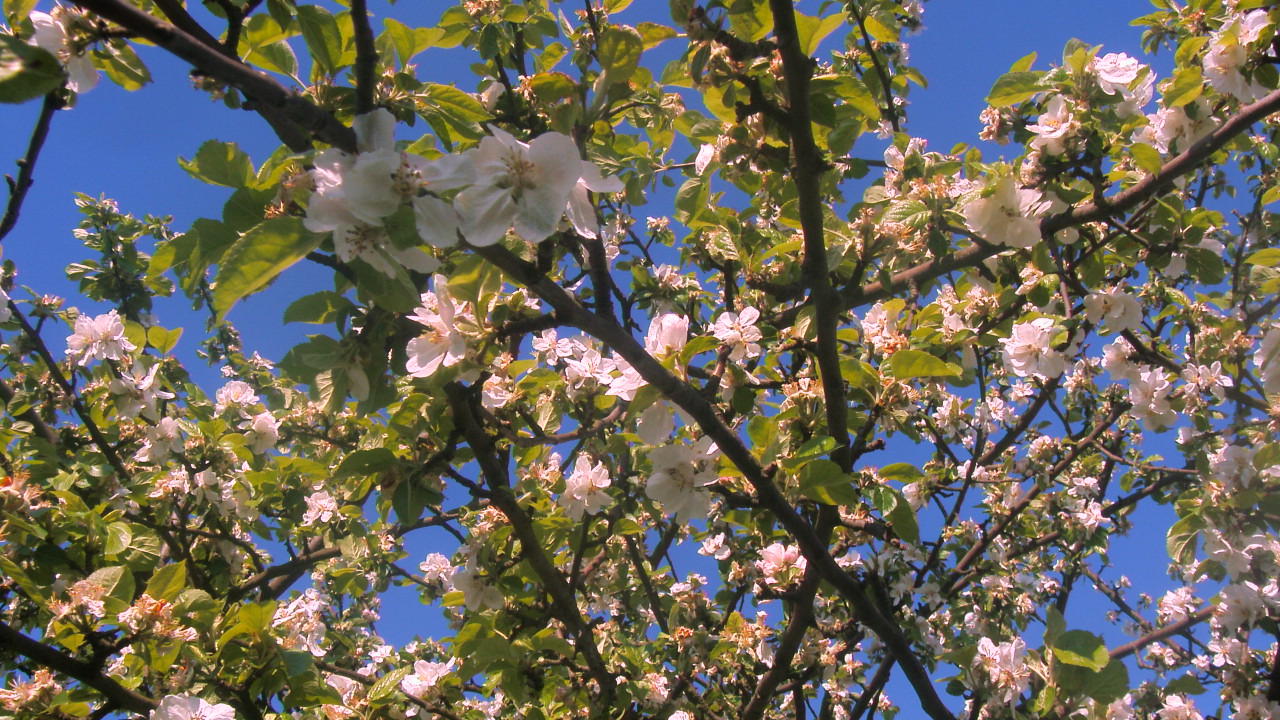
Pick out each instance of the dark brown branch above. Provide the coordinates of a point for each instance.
(857, 296)
(497, 477)
(86, 673)
(1165, 632)
(27, 163)
(257, 86)
(808, 166)
(366, 57)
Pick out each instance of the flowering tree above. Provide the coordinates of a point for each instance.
(902, 406)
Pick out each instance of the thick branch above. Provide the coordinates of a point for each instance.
(259, 87)
(366, 57)
(807, 168)
(86, 673)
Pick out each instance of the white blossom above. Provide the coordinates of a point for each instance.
(1028, 350)
(680, 472)
(99, 338)
(51, 34)
(185, 707)
(1009, 215)
(739, 333)
(585, 489)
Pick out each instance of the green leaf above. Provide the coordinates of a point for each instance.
(1014, 87)
(167, 582)
(258, 257)
(407, 41)
(117, 586)
(26, 71)
(652, 33)
(123, 66)
(895, 509)
(365, 462)
(750, 20)
(1104, 686)
(1271, 195)
(1146, 157)
(323, 38)
(163, 340)
(1023, 63)
(386, 685)
(118, 536)
(275, 57)
(619, 52)
(296, 662)
(908, 364)
(811, 31)
(16, 10)
(1181, 540)
(822, 480)
(1082, 648)
(1187, 85)
(1186, 685)
(901, 472)
(220, 163)
(321, 307)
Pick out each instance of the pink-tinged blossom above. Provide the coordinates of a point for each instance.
(586, 489)
(354, 194)
(348, 690)
(680, 472)
(1202, 378)
(160, 441)
(301, 623)
(137, 392)
(437, 568)
(1149, 395)
(781, 564)
(1228, 54)
(1028, 350)
(1117, 74)
(667, 334)
(426, 678)
(580, 210)
(1009, 215)
(628, 380)
(1114, 308)
(553, 348)
(442, 345)
(715, 546)
(880, 328)
(590, 367)
(235, 394)
(1005, 667)
(1246, 603)
(525, 186)
(99, 338)
(1174, 129)
(1176, 605)
(1232, 465)
(738, 332)
(321, 508)
(263, 432)
(1115, 360)
(1179, 707)
(656, 424)
(185, 707)
(1257, 707)
(1055, 127)
(1266, 359)
(52, 35)
(477, 593)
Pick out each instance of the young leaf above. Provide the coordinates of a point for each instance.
(258, 257)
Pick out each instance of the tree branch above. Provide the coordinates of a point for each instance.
(259, 87)
(27, 163)
(85, 673)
